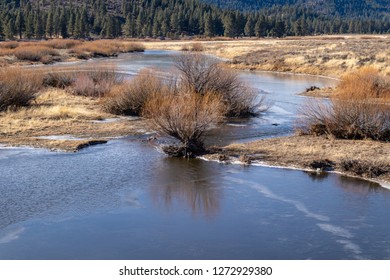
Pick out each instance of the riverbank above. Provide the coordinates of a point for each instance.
(362, 158)
(58, 120)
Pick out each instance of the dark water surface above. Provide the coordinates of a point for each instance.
(126, 200)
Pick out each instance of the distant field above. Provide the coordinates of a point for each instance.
(322, 55)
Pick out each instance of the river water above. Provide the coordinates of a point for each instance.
(127, 200)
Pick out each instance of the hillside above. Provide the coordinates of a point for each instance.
(349, 8)
(26, 19)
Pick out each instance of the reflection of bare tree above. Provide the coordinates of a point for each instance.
(188, 182)
(360, 186)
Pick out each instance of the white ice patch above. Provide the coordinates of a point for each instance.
(297, 204)
(11, 235)
(60, 137)
(352, 247)
(338, 231)
(236, 125)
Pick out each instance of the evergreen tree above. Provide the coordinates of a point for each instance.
(50, 24)
(1, 30)
(228, 24)
(19, 23)
(63, 28)
(38, 26)
(209, 26)
(29, 33)
(249, 29)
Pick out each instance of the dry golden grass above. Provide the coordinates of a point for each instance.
(318, 55)
(302, 151)
(56, 112)
(34, 53)
(63, 50)
(359, 108)
(104, 48)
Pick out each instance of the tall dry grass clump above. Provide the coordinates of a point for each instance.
(95, 83)
(62, 43)
(130, 97)
(104, 48)
(185, 115)
(18, 87)
(35, 53)
(359, 109)
(202, 74)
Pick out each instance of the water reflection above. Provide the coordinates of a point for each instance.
(360, 187)
(187, 182)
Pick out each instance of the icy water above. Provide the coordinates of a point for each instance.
(126, 200)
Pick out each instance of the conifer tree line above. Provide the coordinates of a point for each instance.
(28, 19)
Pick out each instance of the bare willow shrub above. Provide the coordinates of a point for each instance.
(202, 74)
(359, 109)
(130, 97)
(18, 87)
(185, 115)
(95, 83)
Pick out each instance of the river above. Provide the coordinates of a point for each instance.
(127, 200)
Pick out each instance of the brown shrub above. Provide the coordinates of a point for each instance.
(130, 97)
(6, 52)
(95, 83)
(132, 47)
(104, 48)
(369, 169)
(34, 53)
(9, 45)
(202, 74)
(62, 43)
(359, 109)
(58, 79)
(184, 115)
(194, 47)
(18, 87)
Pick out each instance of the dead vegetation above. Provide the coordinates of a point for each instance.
(50, 51)
(184, 115)
(318, 55)
(202, 74)
(18, 87)
(129, 97)
(365, 158)
(32, 108)
(359, 109)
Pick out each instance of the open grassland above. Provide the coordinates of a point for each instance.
(318, 55)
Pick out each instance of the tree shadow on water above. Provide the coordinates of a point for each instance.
(189, 183)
